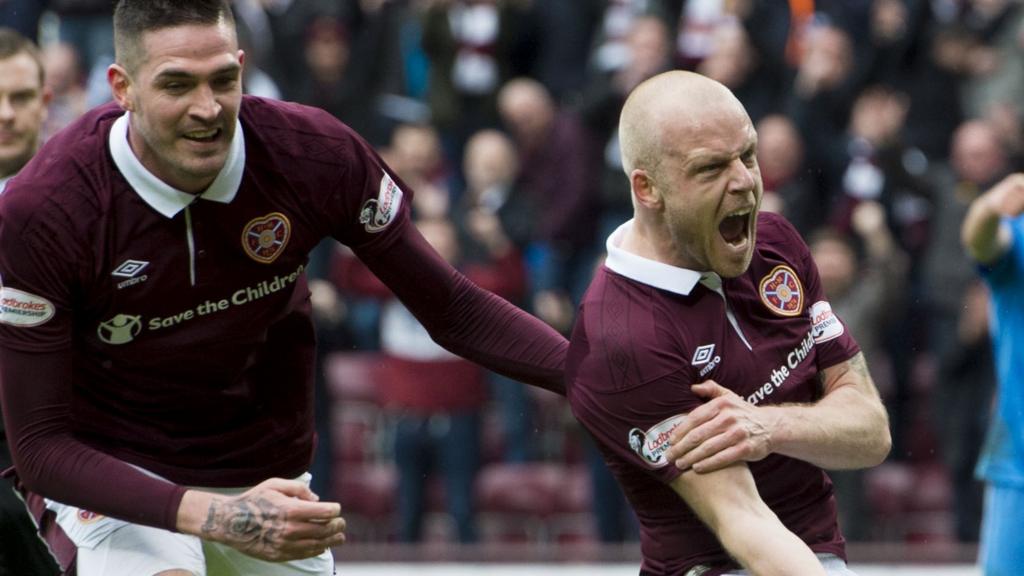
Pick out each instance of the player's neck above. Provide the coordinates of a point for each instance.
(644, 239)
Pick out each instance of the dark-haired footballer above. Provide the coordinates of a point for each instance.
(156, 347)
(703, 297)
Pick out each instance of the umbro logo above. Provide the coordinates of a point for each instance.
(705, 356)
(130, 269)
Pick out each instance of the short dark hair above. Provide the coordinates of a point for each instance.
(13, 43)
(132, 18)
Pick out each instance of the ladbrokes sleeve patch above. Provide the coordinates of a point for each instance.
(652, 444)
(377, 213)
(19, 308)
(825, 325)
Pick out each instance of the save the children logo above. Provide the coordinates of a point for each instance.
(652, 444)
(120, 329)
(264, 238)
(782, 292)
(377, 213)
(125, 328)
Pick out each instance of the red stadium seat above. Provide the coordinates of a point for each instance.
(352, 376)
(367, 490)
(535, 502)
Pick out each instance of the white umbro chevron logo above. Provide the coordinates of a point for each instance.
(129, 268)
(703, 354)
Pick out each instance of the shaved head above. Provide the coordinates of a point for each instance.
(690, 153)
(665, 107)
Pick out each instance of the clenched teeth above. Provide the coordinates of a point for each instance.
(202, 134)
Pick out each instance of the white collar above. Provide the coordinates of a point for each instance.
(164, 198)
(653, 273)
(3, 183)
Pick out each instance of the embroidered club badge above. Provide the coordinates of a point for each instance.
(264, 238)
(782, 292)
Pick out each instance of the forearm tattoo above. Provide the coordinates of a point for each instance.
(251, 523)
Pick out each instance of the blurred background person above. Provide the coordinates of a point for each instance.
(977, 162)
(646, 50)
(474, 47)
(437, 429)
(557, 167)
(65, 80)
(494, 218)
(24, 97)
(88, 26)
(788, 189)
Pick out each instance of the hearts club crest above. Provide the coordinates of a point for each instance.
(782, 292)
(264, 238)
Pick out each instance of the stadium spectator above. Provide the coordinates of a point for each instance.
(474, 47)
(788, 189)
(416, 156)
(557, 175)
(991, 56)
(158, 246)
(820, 101)
(701, 298)
(66, 83)
(332, 82)
(86, 25)
(565, 31)
(648, 48)
(494, 216)
(436, 397)
(23, 100)
(993, 234)
(757, 79)
(977, 163)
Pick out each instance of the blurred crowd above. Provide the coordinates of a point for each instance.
(878, 120)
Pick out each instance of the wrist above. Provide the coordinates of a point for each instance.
(991, 206)
(776, 432)
(192, 511)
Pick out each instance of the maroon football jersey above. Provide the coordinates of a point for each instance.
(647, 331)
(187, 318)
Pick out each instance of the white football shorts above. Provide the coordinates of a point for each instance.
(111, 547)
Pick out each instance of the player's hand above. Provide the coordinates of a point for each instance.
(721, 432)
(1007, 197)
(278, 520)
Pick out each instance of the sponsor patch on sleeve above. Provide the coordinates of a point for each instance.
(652, 444)
(825, 325)
(377, 213)
(19, 308)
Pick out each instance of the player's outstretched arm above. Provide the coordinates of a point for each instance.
(278, 520)
(727, 502)
(982, 235)
(466, 319)
(847, 428)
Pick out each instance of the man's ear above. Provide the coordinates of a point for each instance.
(645, 193)
(120, 85)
